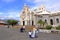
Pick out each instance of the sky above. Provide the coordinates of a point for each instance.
(10, 9)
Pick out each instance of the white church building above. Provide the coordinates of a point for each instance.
(31, 17)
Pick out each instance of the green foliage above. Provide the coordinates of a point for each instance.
(12, 22)
(58, 27)
(40, 22)
(48, 27)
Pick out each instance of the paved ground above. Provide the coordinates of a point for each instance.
(11, 34)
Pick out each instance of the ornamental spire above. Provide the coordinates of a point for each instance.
(42, 7)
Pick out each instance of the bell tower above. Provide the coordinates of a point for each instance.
(42, 7)
(25, 15)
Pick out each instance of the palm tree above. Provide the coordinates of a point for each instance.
(40, 22)
(44, 23)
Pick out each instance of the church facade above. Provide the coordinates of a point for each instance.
(31, 17)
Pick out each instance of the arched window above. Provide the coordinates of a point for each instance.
(45, 20)
(57, 20)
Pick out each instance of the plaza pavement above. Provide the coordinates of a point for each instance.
(12, 34)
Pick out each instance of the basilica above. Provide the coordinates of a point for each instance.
(31, 17)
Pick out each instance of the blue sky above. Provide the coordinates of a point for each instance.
(10, 9)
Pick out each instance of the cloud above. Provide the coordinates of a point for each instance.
(7, 1)
(13, 15)
(10, 15)
(36, 1)
(53, 5)
(1, 13)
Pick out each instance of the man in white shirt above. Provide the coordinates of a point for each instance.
(30, 33)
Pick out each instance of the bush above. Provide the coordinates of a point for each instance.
(58, 27)
(48, 27)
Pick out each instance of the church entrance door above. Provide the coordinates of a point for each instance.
(23, 23)
(32, 23)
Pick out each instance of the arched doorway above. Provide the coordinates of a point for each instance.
(45, 21)
(51, 21)
(32, 22)
(57, 20)
(23, 23)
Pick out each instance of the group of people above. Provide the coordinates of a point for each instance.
(32, 33)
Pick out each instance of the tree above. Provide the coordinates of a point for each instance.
(44, 23)
(12, 22)
(40, 22)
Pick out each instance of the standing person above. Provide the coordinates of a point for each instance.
(36, 32)
(8, 26)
